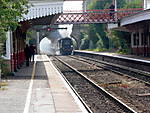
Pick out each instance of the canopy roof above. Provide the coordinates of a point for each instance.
(142, 16)
(42, 9)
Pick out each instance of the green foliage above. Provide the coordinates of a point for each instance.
(98, 38)
(104, 4)
(84, 42)
(96, 34)
(121, 4)
(30, 36)
(2, 40)
(134, 4)
(120, 41)
(97, 50)
(91, 6)
(10, 12)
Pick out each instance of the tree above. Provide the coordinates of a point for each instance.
(99, 37)
(134, 4)
(96, 32)
(11, 11)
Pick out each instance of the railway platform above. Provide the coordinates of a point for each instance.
(132, 62)
(117, 55)
(127, 56)
(38, 88)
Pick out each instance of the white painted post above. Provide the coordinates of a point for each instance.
(37, 42)
(9, 45)
(84, 6)
(115, 5)
(145, 4)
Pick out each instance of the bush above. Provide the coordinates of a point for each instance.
(98, 50)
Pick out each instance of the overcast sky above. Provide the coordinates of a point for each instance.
(73, 5)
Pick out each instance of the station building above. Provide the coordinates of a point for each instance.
(139, 27)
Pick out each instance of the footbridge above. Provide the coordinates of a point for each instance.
(93, 16)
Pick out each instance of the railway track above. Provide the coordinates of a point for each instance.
(127, 62)
(131, 91)
(136, 74)
(96, 97)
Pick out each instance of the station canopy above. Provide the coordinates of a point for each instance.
(43, 8)
(138, 17)
(40, 9)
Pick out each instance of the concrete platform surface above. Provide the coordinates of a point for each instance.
(38, 88)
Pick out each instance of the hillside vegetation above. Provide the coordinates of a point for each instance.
(98, 38)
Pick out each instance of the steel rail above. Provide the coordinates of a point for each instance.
(82, 101)
(110, 96)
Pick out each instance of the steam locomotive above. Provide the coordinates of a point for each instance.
(65, 46)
